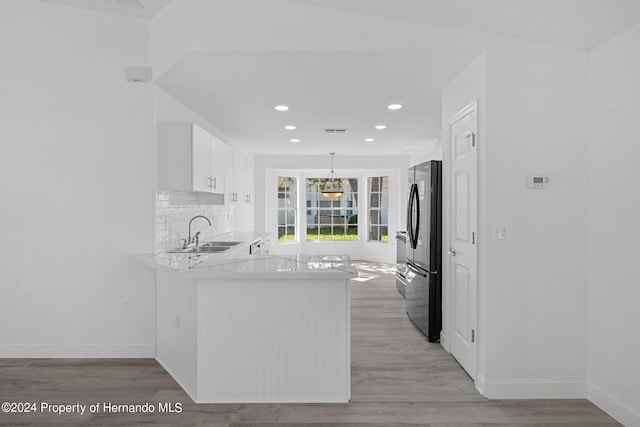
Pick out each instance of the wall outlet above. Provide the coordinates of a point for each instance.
(500, 232)
(128, 306)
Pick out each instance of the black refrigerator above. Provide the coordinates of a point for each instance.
(423, 300)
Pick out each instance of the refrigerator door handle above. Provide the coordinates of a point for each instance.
(410, 225)
(414, 270)
(409, 222)
(416, 226)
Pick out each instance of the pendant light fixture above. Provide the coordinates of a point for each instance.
(332, 186)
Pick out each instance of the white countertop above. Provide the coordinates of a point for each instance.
(264, 266)
(237, 263)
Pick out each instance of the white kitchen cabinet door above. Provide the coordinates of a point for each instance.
(175, 159)
(201, 159)
(241, 171)
(229, 178)
(217, 165)
(237, 178)
(176, 308)
(243, 213)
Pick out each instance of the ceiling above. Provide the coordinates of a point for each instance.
(237, 92)
(582, 24)
(138, 8)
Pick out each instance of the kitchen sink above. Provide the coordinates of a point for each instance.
(200, 250)
(206, 247)
(214, 244)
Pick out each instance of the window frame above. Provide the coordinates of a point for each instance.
(289, 190)
(326, 208)
(382, 193)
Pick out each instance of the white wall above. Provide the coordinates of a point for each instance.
(531, 286)
(614, 203)
(268, 168)
(534, 283)
(76, 174)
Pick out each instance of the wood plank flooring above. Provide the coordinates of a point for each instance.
(398, 379)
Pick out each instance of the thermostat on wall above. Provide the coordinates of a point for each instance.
(537, 181)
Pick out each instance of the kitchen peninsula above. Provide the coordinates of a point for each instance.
(239, 328)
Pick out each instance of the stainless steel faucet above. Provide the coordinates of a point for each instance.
(196, 238)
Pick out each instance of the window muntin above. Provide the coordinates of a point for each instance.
(378, 209)
(287, 200)
(332, 219)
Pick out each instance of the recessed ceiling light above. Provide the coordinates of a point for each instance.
(369, 140)
(394, 107)
(290, 127)
(380, 127)
(282, 107)
(410, 146)
(295, 140)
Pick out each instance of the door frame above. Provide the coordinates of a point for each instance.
(447, 302)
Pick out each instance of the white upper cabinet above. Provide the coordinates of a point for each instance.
(230, 195)
(190, 159)
(242, 178)
(201, 144)
(237, 178)
(217, 165)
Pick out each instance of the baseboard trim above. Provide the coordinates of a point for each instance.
(479, 383)
(77, 351)
(177, 379)
(444, 341)
(532, 389)
(612, 406)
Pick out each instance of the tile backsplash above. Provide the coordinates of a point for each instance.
(174, 210)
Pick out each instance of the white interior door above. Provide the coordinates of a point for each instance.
(463, 238)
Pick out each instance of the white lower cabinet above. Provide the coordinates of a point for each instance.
(176, 332)
(252, 339)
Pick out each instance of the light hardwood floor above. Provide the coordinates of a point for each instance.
(398, 379)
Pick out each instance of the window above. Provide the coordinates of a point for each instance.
(379, 208)
(332, 219)
(286, 209)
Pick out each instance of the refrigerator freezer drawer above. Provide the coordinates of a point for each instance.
(422, 302)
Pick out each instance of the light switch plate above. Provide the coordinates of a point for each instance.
(500, 232)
